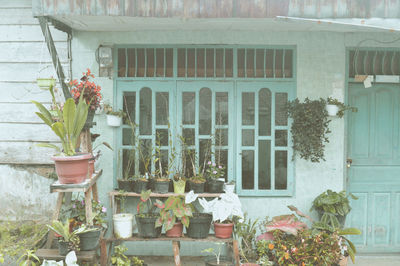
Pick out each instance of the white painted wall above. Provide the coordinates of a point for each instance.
(25, 191)
(320, 73)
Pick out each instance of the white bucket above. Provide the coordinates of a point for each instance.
(332, 109)
(229, 188)
(123, 225)
(114, 120)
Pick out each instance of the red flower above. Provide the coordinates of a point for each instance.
(91, 92)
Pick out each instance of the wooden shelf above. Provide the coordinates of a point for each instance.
(163, 237)
(162, 195)
(81, 187)
(53, 254)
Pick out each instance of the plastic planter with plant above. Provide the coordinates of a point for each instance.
(122, 221)
(335, 107)
(215, 174)
(216, 259)
(114, 118)
(146, 216)
(245, 232)
(199, 226)
(71, 167)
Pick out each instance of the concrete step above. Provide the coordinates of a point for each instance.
(376, 260)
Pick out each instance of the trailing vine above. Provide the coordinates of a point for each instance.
(309, 128)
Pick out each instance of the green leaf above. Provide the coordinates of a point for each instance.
(158, 222)
(69, 115)
(350, 231)
(48, 145)
(44, 118)
(45, 113)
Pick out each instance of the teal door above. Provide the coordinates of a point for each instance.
(374, 175)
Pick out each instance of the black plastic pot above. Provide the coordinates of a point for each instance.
(146, 226)
(63, 248)
(90, 240)
(125, 185)
(215, 186)
(161, 186)
(139, 185)
(223, 261)
(199, 225)
(197, 187)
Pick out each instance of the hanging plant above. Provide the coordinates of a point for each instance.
(309, 128)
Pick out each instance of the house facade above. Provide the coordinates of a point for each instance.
(219, 73)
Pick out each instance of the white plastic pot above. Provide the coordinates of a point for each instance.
(123, 225)
(114, 120)
(45, 83)
(229, 188)
(332, 109)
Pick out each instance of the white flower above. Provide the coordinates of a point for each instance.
(190, 197)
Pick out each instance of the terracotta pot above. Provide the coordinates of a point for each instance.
(72, 169)
(343, 261)
(91, 167)
(176, 230)
(250, 264)
(223, 230)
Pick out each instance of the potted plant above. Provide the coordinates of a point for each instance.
(332, 207)
(245, 232)
(230, 187)
(68, 240)
(140, 184)
(223, 210)
(199, 226)
(127, 182)
(120, 259)
(146, 217)
(28, 259)
(161, 179)
(114, 118)
(336, 108)
(90, 93)
(46, 83)
(217, 259)
(174, 215)
(122, 221)
(215, 181)
(71, 167)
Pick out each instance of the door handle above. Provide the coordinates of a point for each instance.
(349, 162)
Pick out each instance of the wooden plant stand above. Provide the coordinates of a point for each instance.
(175, 241)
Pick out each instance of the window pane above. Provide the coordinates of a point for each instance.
(240, 62)
(164, 163)
(278, 63)
(127, 137)
(169, 62)
(141, 62)
(250, 63)
(260, 63)
(219, 61)
(247, 137)
(280, 169)
(181, 62)
(162, 108)
(205, 153)
(269, 63)
(221, 158)
(145, 153)
(188, 136)
(189, 161)
(205, 112)
(145, 123)
(221, 137)
(188, 107)
(128, 163)
(162, 137)
(210, 62)
(280, 109)
(200, 62)
(281, 138)
(229, 62)
(131, 62)
(121, 62)
(248, 108)
(190, 62)
(160, 62)
(247, 169)
(288, 63)
(129, 106)
(150, 62)
(264, 164)
(264, 112)
(221, 108)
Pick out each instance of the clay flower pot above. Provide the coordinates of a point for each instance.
(72, 169)
(176, 230)
(223, 230)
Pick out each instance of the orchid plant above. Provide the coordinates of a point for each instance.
(214, 171)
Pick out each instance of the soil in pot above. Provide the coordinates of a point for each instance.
(175, 231)
(161, 186)
(196, 187)
(63, 248)
(139, 185)
(126, 185)
(223, 261)
(199, 226)
(223, 230)
(90, 240)
(72, 169)
(146, 225)
(215, 186)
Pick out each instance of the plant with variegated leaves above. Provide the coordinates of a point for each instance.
(174, 209)
(145, 205)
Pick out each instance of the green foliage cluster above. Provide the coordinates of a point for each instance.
(245, 231)
(309, 128)
(342, 106)
(120, 259)
(29, 258)
(77, 211)
(174, 209)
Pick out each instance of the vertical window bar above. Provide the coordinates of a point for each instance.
(223, 64)
(245, 63)
(196, 123)
(165, 64)
(155, 62)
(254, 63)
(186, 64)
(137, 119)
(272, 155)
(145, 62)
(265, 63)
(195, 62)
(215, 60)
(136, 66)
(274, 63)
(283, 62)
(213, 124)
(256, 142)
(205, 62)
(153, 126)
(126, 62)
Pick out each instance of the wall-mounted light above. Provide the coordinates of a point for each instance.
(104, 56)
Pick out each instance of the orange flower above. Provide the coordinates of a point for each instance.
(271, 246)
(284, 247)
(286, 255)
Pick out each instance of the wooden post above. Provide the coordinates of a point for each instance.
(88, 206)
(55, 217)
(175, 247)
(103, 252)
(95, 193)
(235, 247)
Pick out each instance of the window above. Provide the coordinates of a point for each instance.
(226, 103)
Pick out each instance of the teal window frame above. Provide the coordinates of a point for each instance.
(274, 84)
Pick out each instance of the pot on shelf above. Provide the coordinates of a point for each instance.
(125, 185)
(199, 226)
(114, 120)
(146, 226)
(72, 169)
(215, 186)
(139, 185)
(90, 240)
(175, 231)
(63, 248)
(197, 187)
(123, 225)
(179, 187)
(223, 230)
(161, 186)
